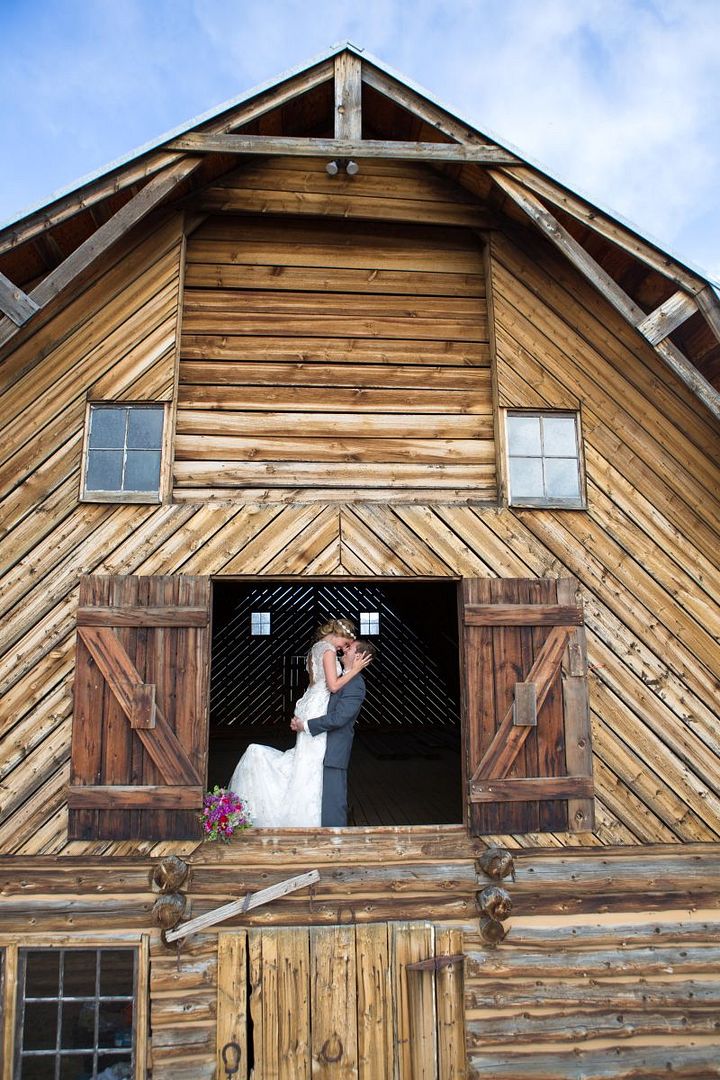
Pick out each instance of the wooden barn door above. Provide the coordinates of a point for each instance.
(139, 741)
(529, 761)
(382, 1001)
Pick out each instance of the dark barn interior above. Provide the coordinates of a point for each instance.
(405, 767)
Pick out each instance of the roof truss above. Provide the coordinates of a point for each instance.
(172, 162)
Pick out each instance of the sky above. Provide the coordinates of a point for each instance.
(618, 99)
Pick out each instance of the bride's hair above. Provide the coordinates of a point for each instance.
(341, 627)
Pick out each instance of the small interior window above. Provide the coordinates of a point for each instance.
(544, 465)
(124, 450)
(260, 623)
(369, 623)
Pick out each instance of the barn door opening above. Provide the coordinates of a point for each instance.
(405, 767)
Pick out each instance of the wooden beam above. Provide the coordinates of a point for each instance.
(14, 303)
(348, 97)
(709, 305)
(608, 287)
(103, 238)
(245, 903)
(527, 789)
(604, 226)
(287, 146)
(664, 319)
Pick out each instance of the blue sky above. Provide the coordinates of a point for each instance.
(619, 99)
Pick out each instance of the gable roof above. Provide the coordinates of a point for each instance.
(66, 235)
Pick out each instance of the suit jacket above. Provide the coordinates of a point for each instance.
(339, 722)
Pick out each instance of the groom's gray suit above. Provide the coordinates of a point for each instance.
(339, 722)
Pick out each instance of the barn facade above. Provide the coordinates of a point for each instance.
(331, 350)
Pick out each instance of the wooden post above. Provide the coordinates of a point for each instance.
(348, 97)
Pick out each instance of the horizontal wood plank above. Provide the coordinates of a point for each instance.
(528, 789)
(522, 615)
(136, 796)
(142, 616)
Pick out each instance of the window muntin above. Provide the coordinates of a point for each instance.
(544, 466)
(75, 1011)
(369, 623)
(260, 623)
(124, 450)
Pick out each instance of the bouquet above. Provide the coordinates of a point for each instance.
(223, 814)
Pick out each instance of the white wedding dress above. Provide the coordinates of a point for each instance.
(284, 789)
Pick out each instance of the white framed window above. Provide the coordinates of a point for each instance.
(260, 623)
(76, 1012)
(369, 623)
(544, 459)
(123, 452)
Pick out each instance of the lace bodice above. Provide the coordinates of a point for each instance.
(316, 695)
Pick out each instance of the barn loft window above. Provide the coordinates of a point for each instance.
(544, 462)
(124, 452)
(75, 1013)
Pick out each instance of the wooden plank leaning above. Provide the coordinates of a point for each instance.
(245, 903)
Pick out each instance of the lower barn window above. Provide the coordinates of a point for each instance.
(75, 1014)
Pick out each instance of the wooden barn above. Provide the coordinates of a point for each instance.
(329, 350)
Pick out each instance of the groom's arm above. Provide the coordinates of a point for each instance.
(346, 709)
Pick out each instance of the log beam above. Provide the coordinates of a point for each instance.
(15, 303)
(289, 146)
(607, 287)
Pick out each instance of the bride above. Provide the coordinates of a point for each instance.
(285, 788)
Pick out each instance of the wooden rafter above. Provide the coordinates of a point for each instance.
(136, 171)
(103, 238)
(613, 293)
(16, 304)
(287, 146)
(604, 226)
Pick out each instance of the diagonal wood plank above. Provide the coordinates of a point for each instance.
(510, 737)
(121, 675)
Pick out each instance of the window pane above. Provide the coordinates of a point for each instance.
(145, 428)
(559, 436)
(115, 1028)
(42, 973)
(116, 973)
(369, 622)
(107, 427)
(39, 1068)
(142, 471)
(40, 1025)
(104, 470)
(76, 1067)
(526, 480)
(561, 478)
(79, 973)
(523, 434)
(78, 1025)
(114, 1067)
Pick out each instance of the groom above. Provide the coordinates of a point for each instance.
(339, 722)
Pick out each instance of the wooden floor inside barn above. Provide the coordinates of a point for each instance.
(394, 779)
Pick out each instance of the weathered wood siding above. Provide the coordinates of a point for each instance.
(588, 981)
(332, 355)
(645, 552)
